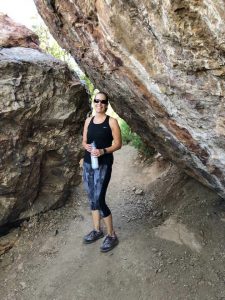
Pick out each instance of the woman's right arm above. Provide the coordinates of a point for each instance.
(84, 142)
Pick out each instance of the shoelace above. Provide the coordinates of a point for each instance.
(92, 234)
(108, 239)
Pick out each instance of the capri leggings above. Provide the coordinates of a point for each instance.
(96, 183)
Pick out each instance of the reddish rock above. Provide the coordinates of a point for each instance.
(163, 66)
(13, 34)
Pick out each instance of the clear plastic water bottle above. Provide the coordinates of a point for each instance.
(94, 160)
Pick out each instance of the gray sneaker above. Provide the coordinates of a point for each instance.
(93, 236)
(109, 243)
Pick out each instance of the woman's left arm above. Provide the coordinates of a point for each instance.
(116, 133)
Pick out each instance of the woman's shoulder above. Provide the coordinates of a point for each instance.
(88, 120)
(113, 121)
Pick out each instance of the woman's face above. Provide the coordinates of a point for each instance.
(99, 105)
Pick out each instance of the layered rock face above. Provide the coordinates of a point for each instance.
(42, 108)
(162, 62)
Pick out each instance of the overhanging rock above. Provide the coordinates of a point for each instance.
(162, 64)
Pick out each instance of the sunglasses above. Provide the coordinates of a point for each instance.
(101, 101)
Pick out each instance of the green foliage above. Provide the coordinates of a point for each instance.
(89, 85)
(49, 45)
(126, 132)
(134, 139)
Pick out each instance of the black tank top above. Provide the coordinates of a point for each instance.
(101, 134)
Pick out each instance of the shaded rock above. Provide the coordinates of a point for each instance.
(8, 241)
(161, 77)
(42, 108)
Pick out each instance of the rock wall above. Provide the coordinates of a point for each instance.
(42, 110)
(163, 64)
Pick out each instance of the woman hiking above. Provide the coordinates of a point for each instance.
(102, 130)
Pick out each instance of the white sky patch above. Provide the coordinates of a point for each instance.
(21, 11)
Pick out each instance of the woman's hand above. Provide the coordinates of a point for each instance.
(97, 152)
(88, 147)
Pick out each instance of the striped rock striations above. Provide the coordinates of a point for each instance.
(163, 64)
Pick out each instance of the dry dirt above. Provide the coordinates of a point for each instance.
(171, 242)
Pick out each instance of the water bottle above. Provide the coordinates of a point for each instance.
(94, 160)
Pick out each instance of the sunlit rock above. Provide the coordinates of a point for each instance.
(13, 34)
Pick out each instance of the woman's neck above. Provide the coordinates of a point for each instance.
(100, 115)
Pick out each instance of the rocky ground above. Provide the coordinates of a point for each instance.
(171, 231)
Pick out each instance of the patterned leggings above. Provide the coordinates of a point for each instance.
(96, 183)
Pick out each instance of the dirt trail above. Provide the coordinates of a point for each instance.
(171, 242)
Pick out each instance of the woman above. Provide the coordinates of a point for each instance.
(102, 130)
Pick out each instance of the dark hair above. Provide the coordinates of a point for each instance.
(105, 94)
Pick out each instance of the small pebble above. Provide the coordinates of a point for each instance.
(20, 267)
(159, 270)
(23, 284)
(139, 192)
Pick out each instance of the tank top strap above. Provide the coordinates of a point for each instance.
(107, 119)
(92, 120)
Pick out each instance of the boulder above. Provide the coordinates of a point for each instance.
(163, 65)
(42, 110)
